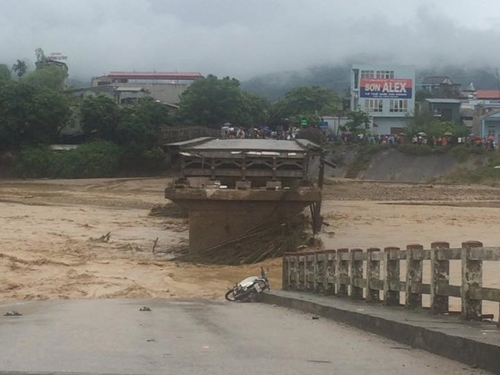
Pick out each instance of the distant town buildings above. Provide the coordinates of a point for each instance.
(386, 93)
(440, 86)
(165, 87)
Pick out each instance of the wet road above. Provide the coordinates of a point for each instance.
(196, 337)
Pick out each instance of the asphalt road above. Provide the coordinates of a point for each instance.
(196, 337)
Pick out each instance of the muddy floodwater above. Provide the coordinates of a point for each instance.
(53, 241)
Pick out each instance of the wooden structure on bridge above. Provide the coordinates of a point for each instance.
(246, 163)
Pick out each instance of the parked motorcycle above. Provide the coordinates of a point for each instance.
(246, 290)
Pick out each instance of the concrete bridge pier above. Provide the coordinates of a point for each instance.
(220, 215)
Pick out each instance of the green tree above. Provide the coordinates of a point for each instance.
(212, 102)
(20, 68)
(358, 121)
(30, 114)
(100, 115)
(5, 74)
(308, 102)
(421, 95)
(153, 112)
(253, 110)
(51, 77)
(134, 128)
(424, 121)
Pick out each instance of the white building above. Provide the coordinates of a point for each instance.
(386, 93)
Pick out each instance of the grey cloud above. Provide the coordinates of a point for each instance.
(244, 38)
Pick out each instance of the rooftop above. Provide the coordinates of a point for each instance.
(156, 75)
(250, 145)
(488, 94)
(129, 89)
(437, 80)
(443, 101)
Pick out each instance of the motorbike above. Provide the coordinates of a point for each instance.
(248, 289)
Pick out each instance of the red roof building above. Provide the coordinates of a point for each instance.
(156, 76)
(488, 94)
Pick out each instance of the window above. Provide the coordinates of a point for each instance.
(367, 74)
(373, 105)
(398, 105)
(491, 132)
(384, 74)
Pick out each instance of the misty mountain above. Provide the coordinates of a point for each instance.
(273, 86)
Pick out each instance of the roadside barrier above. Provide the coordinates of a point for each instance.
(356, 274)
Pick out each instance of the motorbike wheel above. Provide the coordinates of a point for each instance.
(246, 296)
(229, 296)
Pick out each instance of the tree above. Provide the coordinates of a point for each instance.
(153, 112)
(5, 74)
(40, 55)
(100, 115)
(308, 102)
(423, 121)
(30, 114)
(358, 121)
(212, 102)
(253, 110)
(20, 68)
(421, 95)
(51, 77)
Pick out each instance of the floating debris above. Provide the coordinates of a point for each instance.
(12, 313)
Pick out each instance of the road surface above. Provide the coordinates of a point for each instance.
(196, 337)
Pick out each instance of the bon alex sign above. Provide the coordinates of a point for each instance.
(386, 88)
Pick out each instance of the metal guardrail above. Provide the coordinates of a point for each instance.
(340, 272)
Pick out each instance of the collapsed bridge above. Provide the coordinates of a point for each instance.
(233, 187)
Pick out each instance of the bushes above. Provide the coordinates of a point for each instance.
(33, 162)
(462, 152)
(97, 159)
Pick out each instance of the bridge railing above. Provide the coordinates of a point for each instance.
(359, 275)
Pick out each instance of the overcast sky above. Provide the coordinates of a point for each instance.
(246, 38)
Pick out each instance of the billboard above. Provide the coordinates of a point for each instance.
(381, 88)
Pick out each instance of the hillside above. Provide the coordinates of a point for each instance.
(410, 164)
(272, 86)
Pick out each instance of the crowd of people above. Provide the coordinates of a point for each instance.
(346, 137)
(234, 132)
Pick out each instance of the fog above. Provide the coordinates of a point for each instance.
(248, 38)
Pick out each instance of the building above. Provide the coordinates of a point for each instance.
(386, 93)
(440, 86)
(490, 126)
(443, 109)
(488, 96)
(121, 94)
(163, 86)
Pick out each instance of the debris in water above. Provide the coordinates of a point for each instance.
(12, 313)
(144, 308)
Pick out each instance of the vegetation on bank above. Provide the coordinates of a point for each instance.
(90, 160)
(486, 174)
(475, 165)
(35, 108)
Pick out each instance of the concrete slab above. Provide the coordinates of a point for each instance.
(472, 343)
(196, 337)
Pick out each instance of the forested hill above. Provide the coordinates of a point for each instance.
(272, 86)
